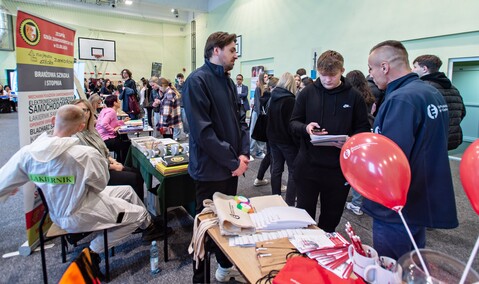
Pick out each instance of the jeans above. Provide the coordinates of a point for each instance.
(392, 239)
(177, 133)
(357, 198)
(281, 153)
(156, 120)
(186, 126)
(256, 148)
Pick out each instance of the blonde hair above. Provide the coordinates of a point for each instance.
(287, 82)
(95, 98)
(261, 83)
(155, 80)
(90, 124)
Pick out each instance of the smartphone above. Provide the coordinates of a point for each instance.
(318, 131)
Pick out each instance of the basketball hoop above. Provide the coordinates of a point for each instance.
(98, 56)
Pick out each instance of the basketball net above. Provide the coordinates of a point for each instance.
(98, 58)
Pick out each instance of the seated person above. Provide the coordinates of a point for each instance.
(119, 174)
(97, 104)
(107, 88)
(107, 126)
(12, 97)
(73, 179)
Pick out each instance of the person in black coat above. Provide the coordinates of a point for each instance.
(219, 140)
(283, 144)
(128, 89)
(329, 106)
(427, 67)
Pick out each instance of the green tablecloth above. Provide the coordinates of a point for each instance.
(173, 190)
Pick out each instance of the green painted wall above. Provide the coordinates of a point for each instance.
(289, 31)
(285, 31)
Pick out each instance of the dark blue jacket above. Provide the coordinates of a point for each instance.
(415, 116)
(124, 95)
(218, 131)
(243, 96)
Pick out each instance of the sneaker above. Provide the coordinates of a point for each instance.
(283, 188)
(251, 158)
(226, 274)
(356, 209)
(260, 156)
(260, 182)
(155, 232)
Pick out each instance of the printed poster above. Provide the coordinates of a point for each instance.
(45, 82)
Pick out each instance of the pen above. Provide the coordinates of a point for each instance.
(264, 254)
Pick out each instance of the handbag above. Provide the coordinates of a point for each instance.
(259, 131)
(133, 104)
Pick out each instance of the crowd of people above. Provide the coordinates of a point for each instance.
(418, 108)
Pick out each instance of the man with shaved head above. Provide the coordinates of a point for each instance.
(415, 116)
(73, 179)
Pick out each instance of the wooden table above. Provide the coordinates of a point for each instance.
(173, 190)
(244, 258)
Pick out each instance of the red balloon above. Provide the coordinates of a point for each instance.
(377, 168)
(469, 170)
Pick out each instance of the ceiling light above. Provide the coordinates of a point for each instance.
(128, 2)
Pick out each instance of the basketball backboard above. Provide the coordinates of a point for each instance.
(96, 49)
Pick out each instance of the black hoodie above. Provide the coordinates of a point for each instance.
(279, 113)
(455, 105)
(341, 110)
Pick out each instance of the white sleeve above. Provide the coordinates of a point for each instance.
(12, 175)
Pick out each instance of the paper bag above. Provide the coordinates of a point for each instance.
(232, 221)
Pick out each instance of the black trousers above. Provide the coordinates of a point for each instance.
(129, 176)
(120, 145)
(205, 190)
(331, 187)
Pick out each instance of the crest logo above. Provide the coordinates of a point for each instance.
(177, 159)
(30, 32)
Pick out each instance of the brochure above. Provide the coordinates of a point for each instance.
(327, 140)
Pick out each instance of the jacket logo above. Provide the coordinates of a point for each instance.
(432, 111)
(52, 179)
(346, 106)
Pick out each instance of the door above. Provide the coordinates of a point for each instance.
(464, 74)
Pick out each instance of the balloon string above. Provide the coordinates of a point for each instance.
(415, 245)
(469, 262)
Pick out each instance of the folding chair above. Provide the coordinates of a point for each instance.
(56, 231)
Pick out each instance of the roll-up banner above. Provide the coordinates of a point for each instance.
(45, 82)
